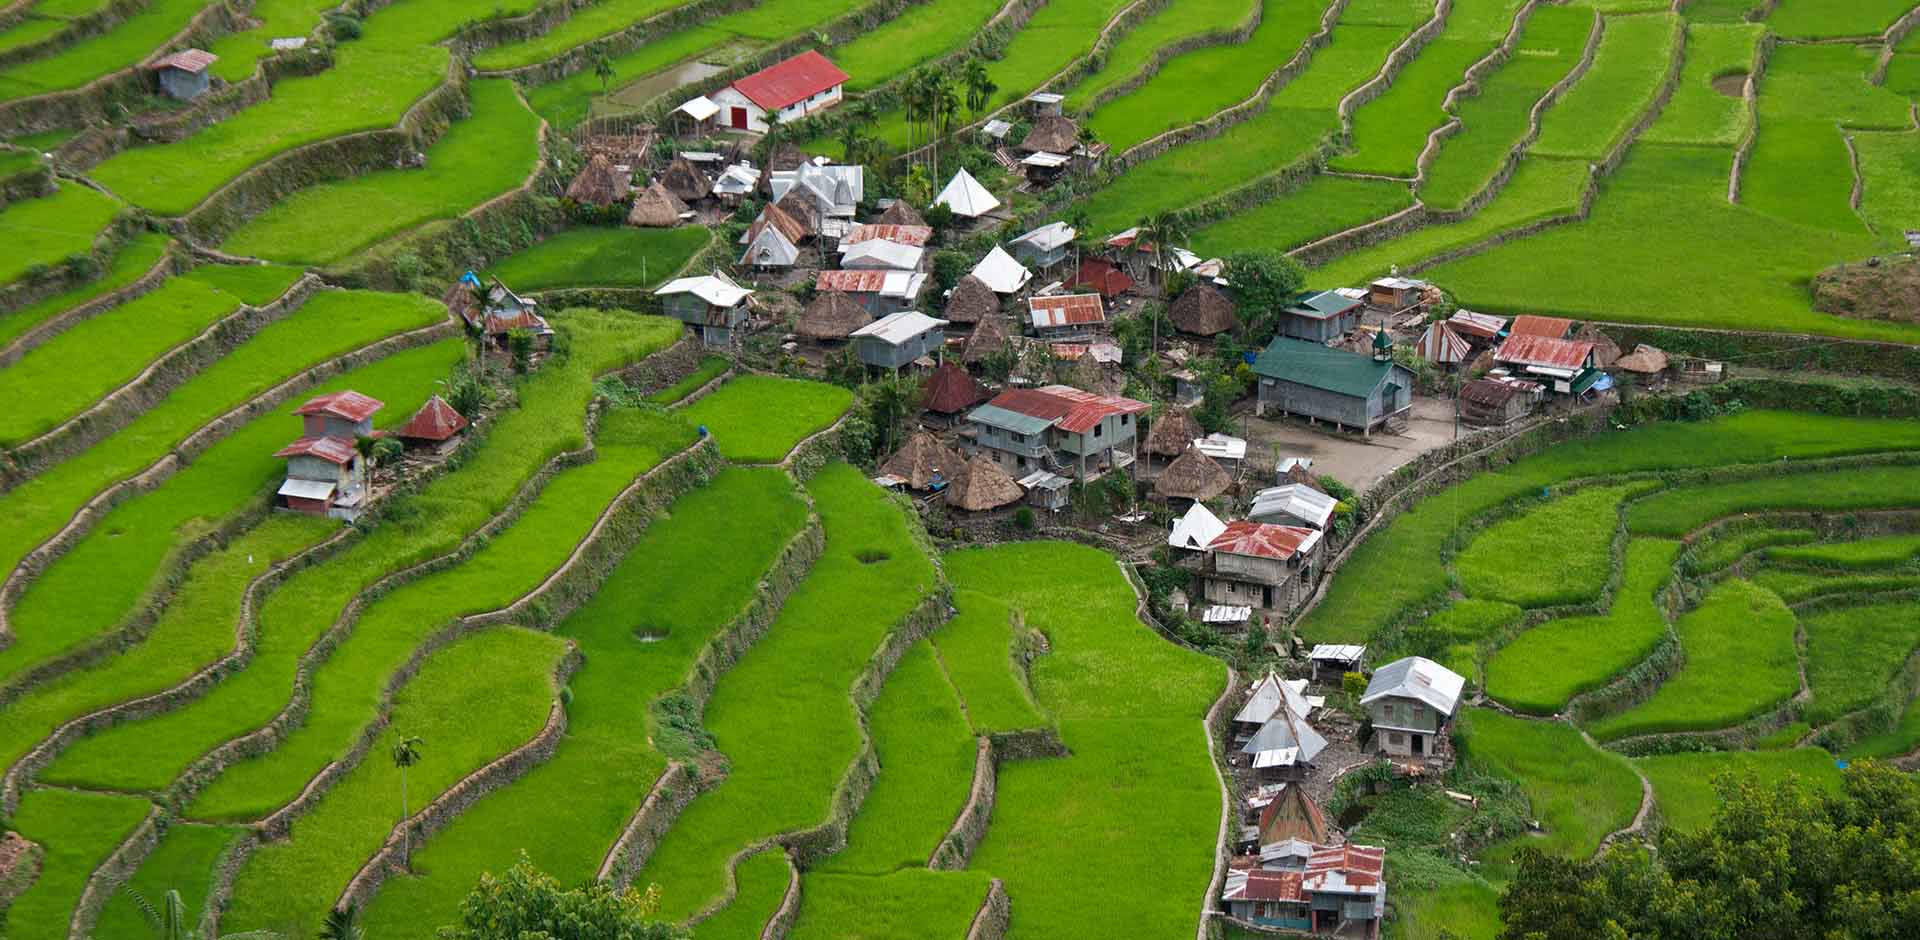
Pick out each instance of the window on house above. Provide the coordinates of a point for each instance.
(1097, 429)
(1124, 419)
(1020, 462)
(1396, 739)
(1019, 438)
(1419, 710)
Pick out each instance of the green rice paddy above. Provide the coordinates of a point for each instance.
(599, 256)
(45, 231)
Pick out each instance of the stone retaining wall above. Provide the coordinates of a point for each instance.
(1397, 60)
(1750, 93)
(963, 837)
(32, 288)
(144, 391)
(77, 28)
(581, 58)
(34, 182)
(994, 916)
(1218, 724)
(60, 322)
(92, 102)
(781, 923)
(1237, 36)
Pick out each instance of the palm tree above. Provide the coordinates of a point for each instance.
(1160, 231)
(603, 70)
(980, 85)
(853, 138)
(343, 924)
(170, 920)
(406, 753)
(942, 100)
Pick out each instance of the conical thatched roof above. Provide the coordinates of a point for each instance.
(1605, 351)
(599, 184)
(1645, 360)
(972, 301)
(800, 208)
(1203, 311)
(921, 459)
(982, 485)
(900, 213)
(989, 338)
(1051, 134)
(685, 180)
(950, 390)
(1172, 433)
(1304, 477)
(1193, 475)
(656, 207)
(831, 316)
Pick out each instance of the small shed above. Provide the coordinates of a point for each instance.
(1047, 490)
(989, 338)
(1203, 310)
(1321, 316)
(949, 390)
(1192, 476)
(999, 270)
(982, 485)
(599, 184)
(656, 207)
(1492, 403)
(1172, 433)
(972, 301)
(183, 75)
(436, 426)
(1396, 294)
(899, 338)
(966, 197)
(923, 462)
(831, 317)
(1045, 246)
(1331, 661)
(696, 114)
(1066, 316)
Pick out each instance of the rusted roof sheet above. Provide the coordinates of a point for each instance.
(187, 60)
(334, 450)
(346, 405)
(1530, 349)
(1264, 540)
(1529, 325)
(915, 235)
(1488, 393)
(852, 282)
(1361, 864)
(1102, 277)
(1261, 884)
(1481, 325)
(1065, 407)
(1441, 344)
(795, 79)
(1066, 310)
(435, 421)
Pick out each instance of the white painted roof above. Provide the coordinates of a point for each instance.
(904, 285)
(716, 289)
(306, 489)
(1195, 529)
(1344, 652)
(770, 249)
(1294, 499)
(737, 180)
(997, 128)
(699, 108)
(880, 253)
(1272, 693)
(1001, 272)
(895, 329)
(1049, 236)
(1044, 159)
(966, 197)
(1416, 677)
(1222, 447)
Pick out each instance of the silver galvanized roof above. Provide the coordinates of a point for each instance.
(1296, 500)
(1416, 677)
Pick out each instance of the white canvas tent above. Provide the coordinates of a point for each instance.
(966, 197)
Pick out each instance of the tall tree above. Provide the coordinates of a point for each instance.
(527, 904)
(406, 753)
(980, 85)
(603, 70)
(1264, 283)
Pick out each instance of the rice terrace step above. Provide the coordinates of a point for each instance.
(871, 469)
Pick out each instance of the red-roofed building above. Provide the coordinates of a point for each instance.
(183, 75)
(1102, 277)
(1530, 325)
(1066, 316)
(1564, 364)
(793, 89)
(325, 473)
(435, 425)
(1261, 565)
(1056, 427)
(1340, 891)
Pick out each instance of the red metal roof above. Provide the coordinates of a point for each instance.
(1261, 539)
(915, 235)
(1069, 408)
(187, 60)
(1550, 352)
(852, 282)
(1361, 864)
(1267, 885)
(796, 79)
(334, 450)
(1529, 325)
(1101, 276)
(347, 405)
(1067, 310)
(950, 389)
(435, 421)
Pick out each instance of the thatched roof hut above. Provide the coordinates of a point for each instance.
(922, 460)
(831, 316)
(1644, 360)
(1193, 475)
(972, 301)
(685, 180)
(462, 299)
(599, 184)
(989, 338)
(981, 485)
(900, 213)
(800, 208)
(1172, 433)
(656, 207)
(950, 390)
(786, 157)
(1051, 134)
(1605, 350)
(1203, 310)
(1304, 477)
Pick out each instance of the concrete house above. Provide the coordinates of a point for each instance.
(1261, 565)
(793, 89)
(711, 303)
(1058, 428)
(183, 75)
(899, 338)
(326, 475)
(1293, 504)
(1412, 702)
(1347, 389)
(1321, 316)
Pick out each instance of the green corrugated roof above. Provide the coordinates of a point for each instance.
(1320, 304)
(1317, 366)
(1011, 420)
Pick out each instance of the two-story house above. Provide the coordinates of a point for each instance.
(1412, 702)
(1261, 565)
(713, 304)
(1057, 427)
(1340, 889)
(325, 472)
(1565, 365)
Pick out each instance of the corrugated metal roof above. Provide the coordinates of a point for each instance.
(1066, 310)
(1264, 540)
(1317, 366)
(716, 289)
(1195, 529)
(852, 282)
(306, 489)
(347, 405)
(1296, 500)
(1322, 305)
(1344, 652)
(1441, 344)
(1416, 677)
(879, 253)
(1006, 418)
(1048, 237)
(795, 79)
(188, 60)
(1527, 324)
(966, 197)
(1001, 272)
(699, 108)
(1482, 325)
(435, 421)
(897, 328)
(915, 235)
(1530, 349)
(331, 449)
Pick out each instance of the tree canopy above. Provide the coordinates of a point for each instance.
(1264, 283)
(1784, 861)
(528, 904)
